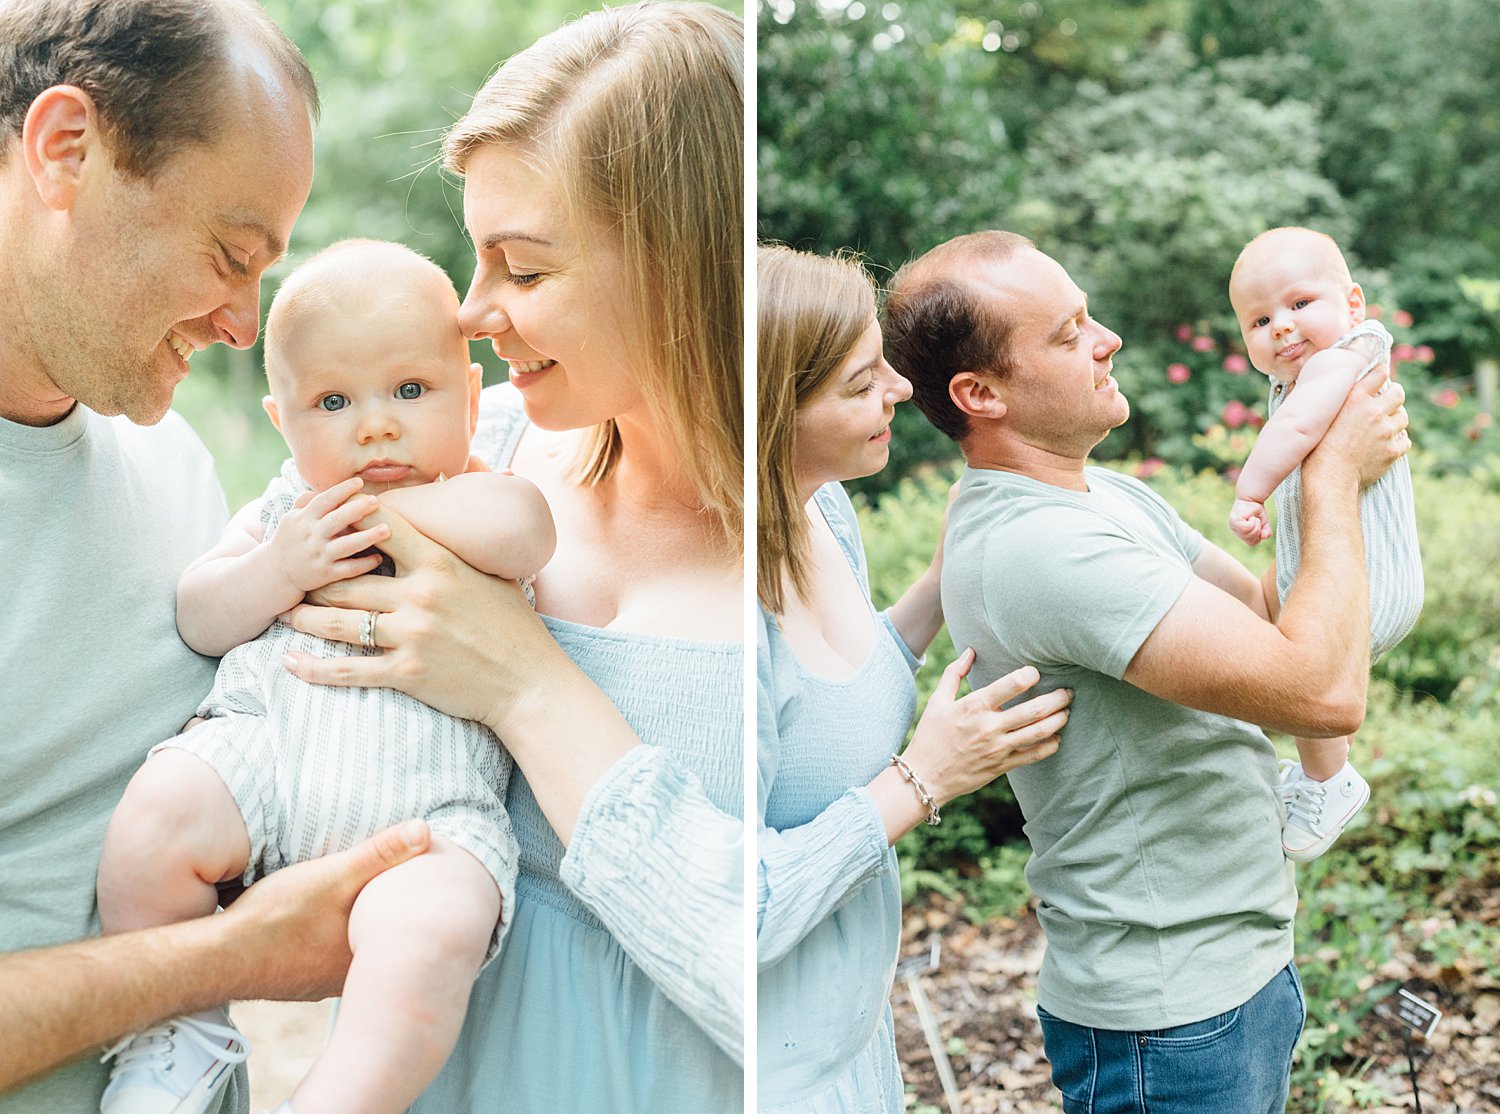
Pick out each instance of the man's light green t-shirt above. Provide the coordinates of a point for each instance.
(1155, 829)
(100, 519)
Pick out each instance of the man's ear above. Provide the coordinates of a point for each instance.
(1356, 303)
(61, 142)
(274, 414)
(978, 396)
(476, 381)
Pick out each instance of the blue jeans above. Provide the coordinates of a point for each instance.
(1239, 1062)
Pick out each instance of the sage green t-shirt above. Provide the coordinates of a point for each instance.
(1155, 829)
(100, 517)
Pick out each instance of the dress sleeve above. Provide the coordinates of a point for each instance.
(807, 872)
(663, 869)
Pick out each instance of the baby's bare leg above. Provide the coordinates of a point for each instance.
(1322, 758)
(176, 833)
(419, 933)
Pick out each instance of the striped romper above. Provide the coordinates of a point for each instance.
(315, 769)
(1386, 516)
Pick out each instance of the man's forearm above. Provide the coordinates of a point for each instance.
(1329, 604)
(59, 1003)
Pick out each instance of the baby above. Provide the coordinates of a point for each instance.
(372, 388)
(1303, 321)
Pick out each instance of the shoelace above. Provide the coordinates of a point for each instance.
(159, 1041)
(1305, 805)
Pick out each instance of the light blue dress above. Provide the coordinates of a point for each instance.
(619, 988)
(828, 900)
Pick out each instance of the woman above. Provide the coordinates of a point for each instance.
(836, 696)
(602, 173)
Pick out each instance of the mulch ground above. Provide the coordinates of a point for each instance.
(983, 998)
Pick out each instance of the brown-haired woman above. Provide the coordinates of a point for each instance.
(836, 696)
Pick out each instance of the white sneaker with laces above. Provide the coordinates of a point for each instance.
(1317, 812)
(177, 1067)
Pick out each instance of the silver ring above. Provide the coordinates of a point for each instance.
(367, 630)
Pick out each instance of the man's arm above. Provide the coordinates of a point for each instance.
(1307, 672)
(287, 938)
(1225, 573)
(494, 521)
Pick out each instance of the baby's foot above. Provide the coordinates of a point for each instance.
(1317, 812)
(179, 1065)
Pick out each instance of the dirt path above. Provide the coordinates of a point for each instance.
(983, 997)
(285, 1038)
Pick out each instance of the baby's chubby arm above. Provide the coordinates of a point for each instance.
(1297, 427)
(236, 589)
(494, 521)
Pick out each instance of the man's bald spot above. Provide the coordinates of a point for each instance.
(1278, 241)
(954, 261)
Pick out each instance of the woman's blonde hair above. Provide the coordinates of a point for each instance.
(638, 112)
(811, 311)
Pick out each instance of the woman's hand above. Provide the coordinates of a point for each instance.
(1368, 434)
(963, 743)
(468, 644)
(452, 637)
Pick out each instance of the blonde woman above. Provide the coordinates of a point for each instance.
(602, 174)
(836, 696)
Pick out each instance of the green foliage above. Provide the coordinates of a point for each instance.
(861, 110)
(1141, 189)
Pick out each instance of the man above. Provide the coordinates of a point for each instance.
(1164, 894)
(154, 155)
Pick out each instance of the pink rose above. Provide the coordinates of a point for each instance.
(1403, 352)
(1184, 333)
(1446, 398)
(1203, 344)
(1179, 373)
(1424, 353)
(1374, 312)
(1236, 364)
(1235, 414)
(1402, 319)
(1148, 467)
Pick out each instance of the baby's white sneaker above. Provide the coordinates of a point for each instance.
(1317, 812)
(177, 1067)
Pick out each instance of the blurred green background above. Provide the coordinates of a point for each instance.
(393, 75)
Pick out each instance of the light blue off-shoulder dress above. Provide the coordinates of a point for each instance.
(828, 896)
(620, 987)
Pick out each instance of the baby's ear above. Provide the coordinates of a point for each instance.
(1356, 303)
(270, 407)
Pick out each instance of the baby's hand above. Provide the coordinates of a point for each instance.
(1249, 522)
(316, 544)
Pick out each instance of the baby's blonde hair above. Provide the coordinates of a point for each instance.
(353, 277)
(1327, 250)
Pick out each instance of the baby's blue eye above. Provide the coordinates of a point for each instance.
(409, 390)
(333, 402)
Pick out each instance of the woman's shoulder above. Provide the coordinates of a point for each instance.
(838, 511)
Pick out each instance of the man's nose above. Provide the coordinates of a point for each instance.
(238, 320)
